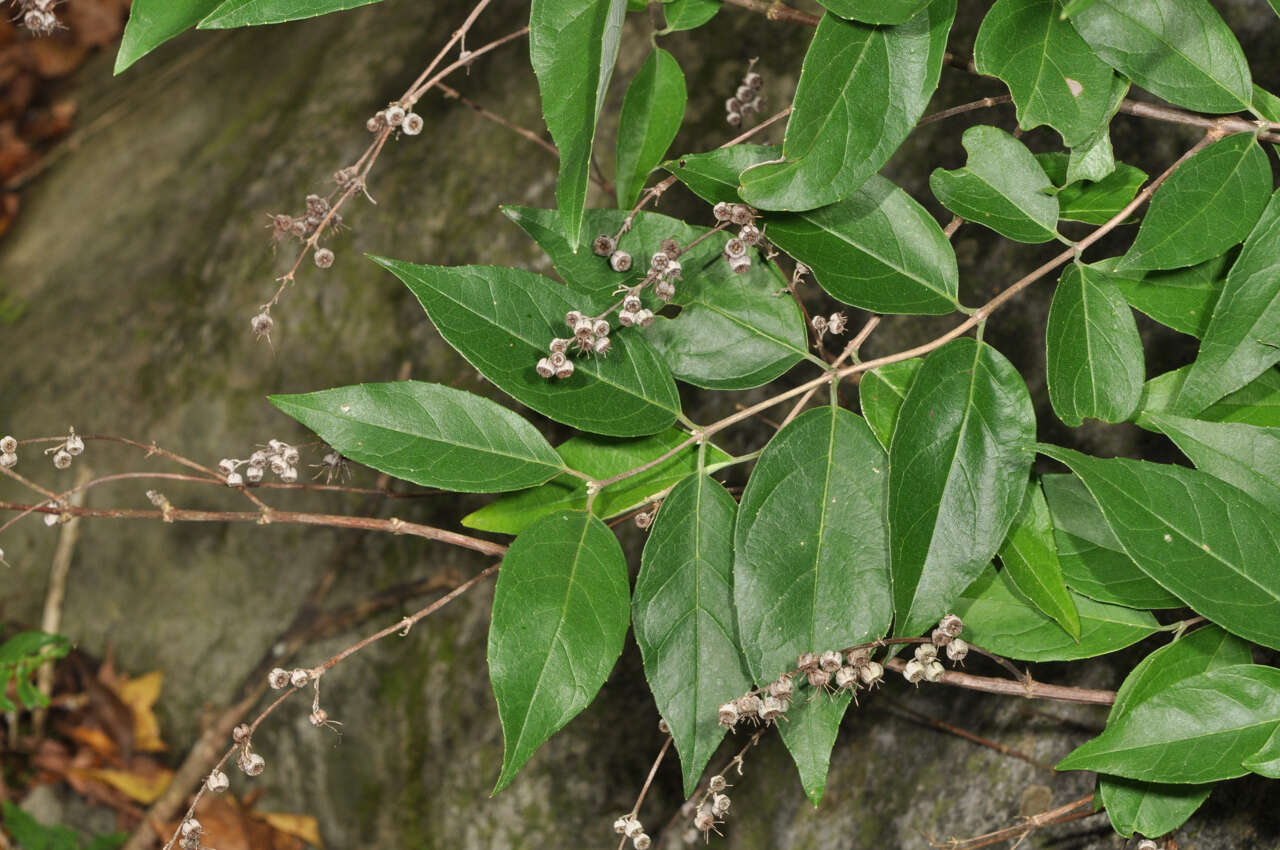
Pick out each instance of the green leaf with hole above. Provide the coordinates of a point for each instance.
(878, 250)
(689, 14)
(1030, 558)
(1054, 77)
(601, 458)
(811, 563)
(713, 176)
(879, 12)
(683, 617)
(153, 22)
(1179, 50)
(861, 91)
(572, 46)
(1208, 205)
(1200, 538)
(652, 112)
(1093, 354)
(1247, 456)
(1182, 299)
(881, 393)
(998, 618)
(1088, 201)
(958, 467)
(1001, 187)
(1200, 731)
(1243, 338)
(252, 13)
(1093, 562)
(1149, 808)
(560, 612)
(429, 434)
(502, 320)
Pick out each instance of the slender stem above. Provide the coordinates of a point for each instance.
(963, 108)
(850, 350)
(968, 736)
(1071, 811)
(648, 781)
(777, 11)
(1027, 688)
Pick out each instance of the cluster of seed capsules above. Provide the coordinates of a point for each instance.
(590, 336)
(278, 457)
(395, 116)
(746, 100)
(835, 323)
(631, 827)
(737, 250)
(37, 16)
(63, 453)
(303, 226)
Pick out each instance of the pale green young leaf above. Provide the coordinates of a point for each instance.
(878, 12)
(502, 320)
(1200, 538)
(652, 112)
(713, 176)
(881, 392)
(1093, 361)
(683, 617)
(572, 46)
(153, 22)
(811, 563)
(1200, 731)
(1182, 299)
(1001, 187)
(600, 458)
(1030, 558)
(1244, 455)
(1243, 338)
(1054, 77)
(878, 250)
(560, 613)
(1089, 201)
(1179, 50)
(429, 434)
(1208, 205)
(252, 13)
(958, 466)
(689, 14)
(861, 91)
(998, 618)
(1266, 761)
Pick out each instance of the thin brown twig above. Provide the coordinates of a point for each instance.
(983, 103)
(850, 350)
(1062, 814)
(1028, 688)
(968, 736)
(648, 781)
(775, 10)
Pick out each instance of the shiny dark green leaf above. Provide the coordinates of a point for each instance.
(1266, 761)
(881, 392)
(1244, 455)
(252, 13)
(652, 112)
(713, 176)
(1089, 201)
(153, 22)
(1030, 558)
(875, 11)
(690, 14)
(1182, 299)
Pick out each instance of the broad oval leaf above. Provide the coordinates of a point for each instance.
(153, 22)
(572, 46)
(1001, 187)
(958, 467)
(861, 91)
(652, 112)
(1205, 207)
(1149, 808)
(875, 11)
(1093, 354)
(501, 320)
(689, 14)
(1247, 456)
(811, 559)
(1256, 403)
(1200, 731)
(1182, 299)
(1179, 50)
(429, 434)
(1054, 77)
(601, 458)
(560, 612)
(878, 250)
(252, 13)
(881, 392)
(1243, 338)
(1030, 558)
(1200, 538)
(998, 618)
(1093, 202)
(683, 617)
(713, 176)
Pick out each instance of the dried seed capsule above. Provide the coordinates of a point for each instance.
(744, 93)
(939, 637)
(829, 661)
(729, 714)
(600, 328)
(241, 733)
(278, 678)
(644, 318)
(952, 625)
(846, 679)
(819, 678)
(671, 247)
(61, 459)
(317, 205)
(749, 706)
(262, 324)
(704, 821)
(758, 102)
(217, 782)
(644, 519)
(749, 234)
(720, 805)
(252, 764)
(819, 324)
(412, 124)
(665, 290)
(290, 455)
(258, 459)
(631, 303)
(557, 359)
(566, 370)
(859, 658)
(235, 479)
(620, 825)
(190, 826)
(545, 369)
(289, 475)
(721, 211)
(634, 828)
(8, 445)
(663, 726)
(740, 265)
(732, 105)
(717, 784)
(253, 474)
(395, 115)
(278, 466)
(913, 672)
(674, 270)
(807, 661)
(658, 262)
(324, 258)
(753, 80)
(319, 717)
(771, 708)
(933, 670)
(1147, 844)
(604, 245)
(782, 687)
(560, 344)
(627, 318)
(957, 649)
(836, 323)
(584, 328)
(74, 445)
(299, 678)
(740, 214)
(749, 107)
(8, 460)
(735, 248)
(572, 318)
(620, 261)
(642, 842)
(734, 119)
(602, 345)
(926, 652)
(375, 123)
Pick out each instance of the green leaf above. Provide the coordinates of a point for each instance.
(1001, 187)
(1205, 207)
(683, 617)
(878, 250)
(20, 657)
(1243, 339)
(861, 91)
(811, 569)
(881, 392)
(1030, 558)
(1094, 361)
(1199, 538)
(502, 320)
(809, 732)
(1265, 103)
(1073, 7)
(1179, 50)
(30, 834)
(713, 176)
(1054, 77)
(1266, 761)
(601, 458)
(560, 612)
(252, 13)
(1089, 201)
(1094, 158)
(1149, 808)
(875, 11)
(1244, 455)
(689, 14)
(153, 22)
(998, 618)
(1257, 403)
(1200, 731)
(1182, 299)
(429, 434)
(573, 45)
(733, 330)
(958, 466)
(652, 112)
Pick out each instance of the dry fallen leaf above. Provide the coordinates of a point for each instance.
(140, 695)
(144, 782)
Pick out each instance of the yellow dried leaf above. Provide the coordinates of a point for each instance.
(143, 788)
(299, 826)
(140, 695)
